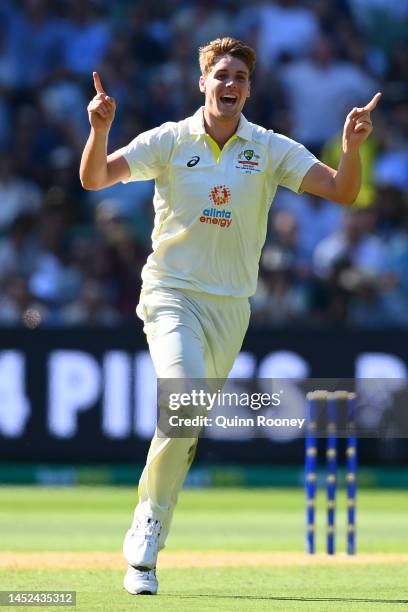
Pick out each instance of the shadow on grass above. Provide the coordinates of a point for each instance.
(277, 598)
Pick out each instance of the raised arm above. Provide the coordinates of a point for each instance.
(343, 185)
(98, 170)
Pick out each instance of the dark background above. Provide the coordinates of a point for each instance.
(328, 353)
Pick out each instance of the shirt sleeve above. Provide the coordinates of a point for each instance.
(148, 154)
(292, 161)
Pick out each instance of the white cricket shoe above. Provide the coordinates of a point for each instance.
(141, 543)
(140, 581)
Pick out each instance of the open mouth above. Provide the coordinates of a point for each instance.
(229, 99)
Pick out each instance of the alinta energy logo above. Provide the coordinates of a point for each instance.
(220, 196)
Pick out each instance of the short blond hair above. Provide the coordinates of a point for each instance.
(211, 53)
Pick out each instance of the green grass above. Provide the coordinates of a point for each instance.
(94, 519)
(278, 588)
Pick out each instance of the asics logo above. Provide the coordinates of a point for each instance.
(193, 161)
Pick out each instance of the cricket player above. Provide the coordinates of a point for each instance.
(215, 177)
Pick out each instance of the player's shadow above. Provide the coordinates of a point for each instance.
(278, 598)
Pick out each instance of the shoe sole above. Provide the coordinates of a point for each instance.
(145, 592)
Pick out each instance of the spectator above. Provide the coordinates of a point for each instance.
(61, 99)
(18, 307)
(391, 165)
(315, 219)
(19, 249)
(38, 40)
(5, 122)
(89, 37)
(150, 32)
(35, 137)
(8, 46)
(202, 21)
(17, 195)
(279, 299)
(382, 21)
(322, 86)
(285, 236)
(354, 242)
(126, 257)
(91, 308)
(285, 28)
(373, 303)
(132, 202)
(54, 281)
(368, 154)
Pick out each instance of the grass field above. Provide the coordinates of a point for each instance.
(229, 549)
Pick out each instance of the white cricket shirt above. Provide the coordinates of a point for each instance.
(211, 205)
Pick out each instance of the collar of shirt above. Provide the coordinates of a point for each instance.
(197, 125)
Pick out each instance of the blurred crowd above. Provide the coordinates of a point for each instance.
(71, 257)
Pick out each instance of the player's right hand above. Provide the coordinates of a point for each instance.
(101, 109)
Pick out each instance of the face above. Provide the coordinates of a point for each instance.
(226, 88)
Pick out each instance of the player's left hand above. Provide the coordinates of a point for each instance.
(358, 125)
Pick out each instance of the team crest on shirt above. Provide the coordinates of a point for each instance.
(248, 161)
(220, 196)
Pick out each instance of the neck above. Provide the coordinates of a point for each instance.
(220, 130)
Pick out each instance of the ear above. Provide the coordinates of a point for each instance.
(249, 91)
(202, 84)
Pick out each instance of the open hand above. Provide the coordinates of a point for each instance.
(358, 125)
(101, 109)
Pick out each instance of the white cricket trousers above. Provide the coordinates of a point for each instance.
(190, 335)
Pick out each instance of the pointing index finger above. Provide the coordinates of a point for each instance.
(97, 83)
(373, 103)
